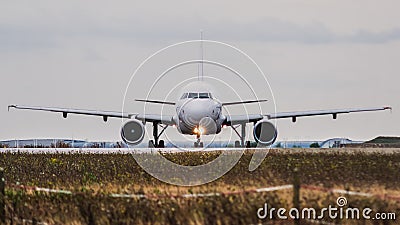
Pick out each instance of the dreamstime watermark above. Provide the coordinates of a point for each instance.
(332, 212)
(165, 170)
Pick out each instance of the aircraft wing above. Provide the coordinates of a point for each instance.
(332, 112)
(66, 111)
(163, 119)
(243, 102)
(155, 101)
(238, 119)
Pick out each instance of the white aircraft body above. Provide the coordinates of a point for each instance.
(198, 113)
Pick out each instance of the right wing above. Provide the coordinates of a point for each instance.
(66, 111)
(155, 101)
(163, 119)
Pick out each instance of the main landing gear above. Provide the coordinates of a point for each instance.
(156, 143)
(242, 136)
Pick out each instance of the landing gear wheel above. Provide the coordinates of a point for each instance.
(161, 144)
(237, 144)
(248, 144)
(151, 144)
(157, 143)
(198, 143)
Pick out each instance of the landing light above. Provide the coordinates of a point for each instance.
(199, 130)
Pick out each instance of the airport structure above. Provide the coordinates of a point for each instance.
(71, 143)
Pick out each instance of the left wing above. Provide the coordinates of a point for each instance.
(242, 102)
(238, 119)
(164, 119)
(333, 112)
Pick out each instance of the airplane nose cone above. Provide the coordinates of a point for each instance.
(196, 110)
(208, 125)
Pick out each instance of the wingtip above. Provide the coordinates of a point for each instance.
(11, 106)
(388, 107)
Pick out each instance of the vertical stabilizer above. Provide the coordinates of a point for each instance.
(200, 67)
(202, 55)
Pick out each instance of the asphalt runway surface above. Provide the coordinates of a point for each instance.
(178, 150)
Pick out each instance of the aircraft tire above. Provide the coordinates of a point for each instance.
(151, 144)
(161, 144)
(237, 144)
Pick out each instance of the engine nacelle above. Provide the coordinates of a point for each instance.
(265, 132)
(132, 132)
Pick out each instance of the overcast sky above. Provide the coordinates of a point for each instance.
(316, 55)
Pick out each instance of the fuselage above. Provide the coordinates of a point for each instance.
(198, 113)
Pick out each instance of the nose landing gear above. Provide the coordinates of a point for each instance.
(198, 143)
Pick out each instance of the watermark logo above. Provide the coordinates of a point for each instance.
(341, 201)
(174, 60)
(330, 212)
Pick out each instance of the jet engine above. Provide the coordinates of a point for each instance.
(265, 132)
(132, 132)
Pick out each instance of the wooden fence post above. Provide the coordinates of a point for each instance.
(296, 193)
(2, 197)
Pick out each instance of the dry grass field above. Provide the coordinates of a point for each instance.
(93, 178)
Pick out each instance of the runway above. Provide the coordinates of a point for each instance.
(111, 150)
(182, 150)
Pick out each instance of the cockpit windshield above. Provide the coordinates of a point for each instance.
(196, 95)
(193, 95)
(185, 95)
(204, 95)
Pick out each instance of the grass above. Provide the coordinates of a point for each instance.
(93, 177)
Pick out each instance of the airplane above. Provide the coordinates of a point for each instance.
(198, 112)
